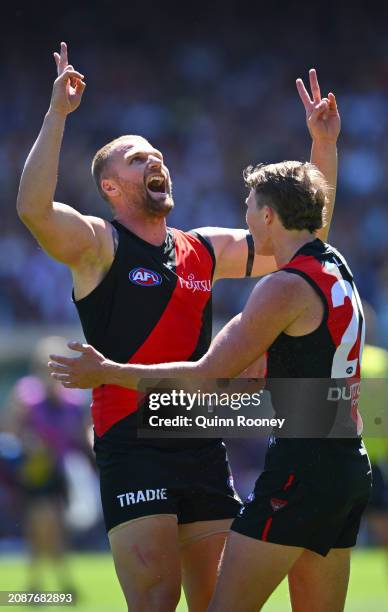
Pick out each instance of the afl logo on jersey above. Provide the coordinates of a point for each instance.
(145, 277)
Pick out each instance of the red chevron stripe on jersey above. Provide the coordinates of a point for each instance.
(344, 319)
(175, 335)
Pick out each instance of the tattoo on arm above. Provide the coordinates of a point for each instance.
(115, 236)
(251, 255)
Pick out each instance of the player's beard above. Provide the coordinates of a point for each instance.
(152, 205)
(158, 206)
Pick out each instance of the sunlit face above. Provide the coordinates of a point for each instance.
(142, 178)
(258, 223)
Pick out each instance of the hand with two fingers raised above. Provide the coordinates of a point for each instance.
(322, 116)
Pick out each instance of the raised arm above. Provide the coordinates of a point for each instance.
(63, 232)
(231, 247)
(324, 124)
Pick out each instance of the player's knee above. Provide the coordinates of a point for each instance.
(165, 597)
(161, 597)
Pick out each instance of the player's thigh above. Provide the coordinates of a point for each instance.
(146, 555)
(320, 583)
(250, 571)
(201, 545)
(378, 523)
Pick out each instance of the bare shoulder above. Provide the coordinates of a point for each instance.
(102, 248)
(283, 279)
(283, 289)
(101, 226)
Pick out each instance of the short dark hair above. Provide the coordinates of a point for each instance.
(297, 191)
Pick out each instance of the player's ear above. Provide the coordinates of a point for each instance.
(268, 214)
(110, 187)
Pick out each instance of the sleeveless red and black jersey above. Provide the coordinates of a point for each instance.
(153, 306)
(331, 352)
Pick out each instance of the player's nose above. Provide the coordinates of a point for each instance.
(154, 162)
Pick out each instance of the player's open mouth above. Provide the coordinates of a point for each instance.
(157, 184)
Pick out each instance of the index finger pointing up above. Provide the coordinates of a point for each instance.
(316, 92)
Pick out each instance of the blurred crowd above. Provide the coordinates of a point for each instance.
(214, 99)
(214, 92)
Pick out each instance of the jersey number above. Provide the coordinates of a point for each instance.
(342, 366)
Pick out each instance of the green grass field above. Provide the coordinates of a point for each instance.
(99, 592)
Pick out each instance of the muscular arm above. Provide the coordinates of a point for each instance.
(231, 253)
(323, 122)
(245, 338)
(324, 156)
(63, 232)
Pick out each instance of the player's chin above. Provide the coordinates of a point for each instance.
(160, 204)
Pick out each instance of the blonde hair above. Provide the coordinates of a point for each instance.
(103, 157)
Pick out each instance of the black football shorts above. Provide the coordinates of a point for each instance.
(193, 484)
(311, 494)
